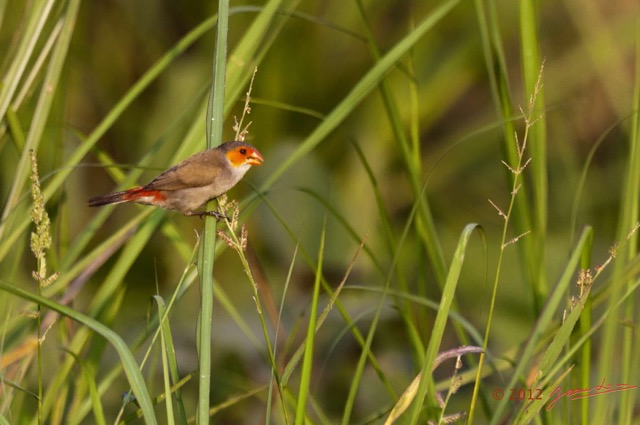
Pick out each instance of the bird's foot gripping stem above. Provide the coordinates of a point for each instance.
(218, 215)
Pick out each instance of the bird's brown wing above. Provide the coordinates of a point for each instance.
(199, 170)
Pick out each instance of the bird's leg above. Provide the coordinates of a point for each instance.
(218, 215)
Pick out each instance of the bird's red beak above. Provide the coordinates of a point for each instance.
(255, 158)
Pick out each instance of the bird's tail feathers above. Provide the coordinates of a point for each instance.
(115, 197)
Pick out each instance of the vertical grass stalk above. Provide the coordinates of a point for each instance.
(215, 114)
(532, 64)
(40, 244)
(630, 339)
(307, 363)
(517, 170)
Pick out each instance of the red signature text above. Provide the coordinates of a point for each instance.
(579, 393)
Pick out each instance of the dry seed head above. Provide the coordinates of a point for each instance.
(453, 418)
(222, 202)
(519, 170)
(245, 132)
(530, 122)
(440, 400)
(520, 147)
(41, 238)
(44, 281)
(633, 230)
(243, 238)
(235, 215)
(226, 239)
(48, 281)
(585, 279)
(536, 89)
(241, 133)
(455, 385)
(31, 314)
(516, 239)
(500, 213)
(509, 167)
(236, 125)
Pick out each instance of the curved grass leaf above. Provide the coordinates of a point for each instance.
(128, 361)
(426, 385)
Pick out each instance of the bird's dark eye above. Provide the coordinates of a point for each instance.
(243, 151)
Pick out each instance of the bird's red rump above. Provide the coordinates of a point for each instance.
(141, 192)
(158, 196)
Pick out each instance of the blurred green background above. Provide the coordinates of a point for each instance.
(444, 99)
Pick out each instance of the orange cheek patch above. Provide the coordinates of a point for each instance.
(235, 157)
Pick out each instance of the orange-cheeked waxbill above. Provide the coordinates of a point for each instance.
(190, 184)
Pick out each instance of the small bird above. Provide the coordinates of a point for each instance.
(190, 184)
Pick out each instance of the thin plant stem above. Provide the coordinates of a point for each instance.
(215, 114)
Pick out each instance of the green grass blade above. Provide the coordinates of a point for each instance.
(307, 362)
(425, 386)
(214, 126)
(38, 16)
(126, 357)
(496, 64)
(172, 361)
(106, 301)
(631, 340)
(532, 64)
(169, 368)
(43, 109)
(531, 410)
(272, 377)
(545, 319)
(619, 361)
(215, 108)
(407, 397)
(549, 359)
(88, 377)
